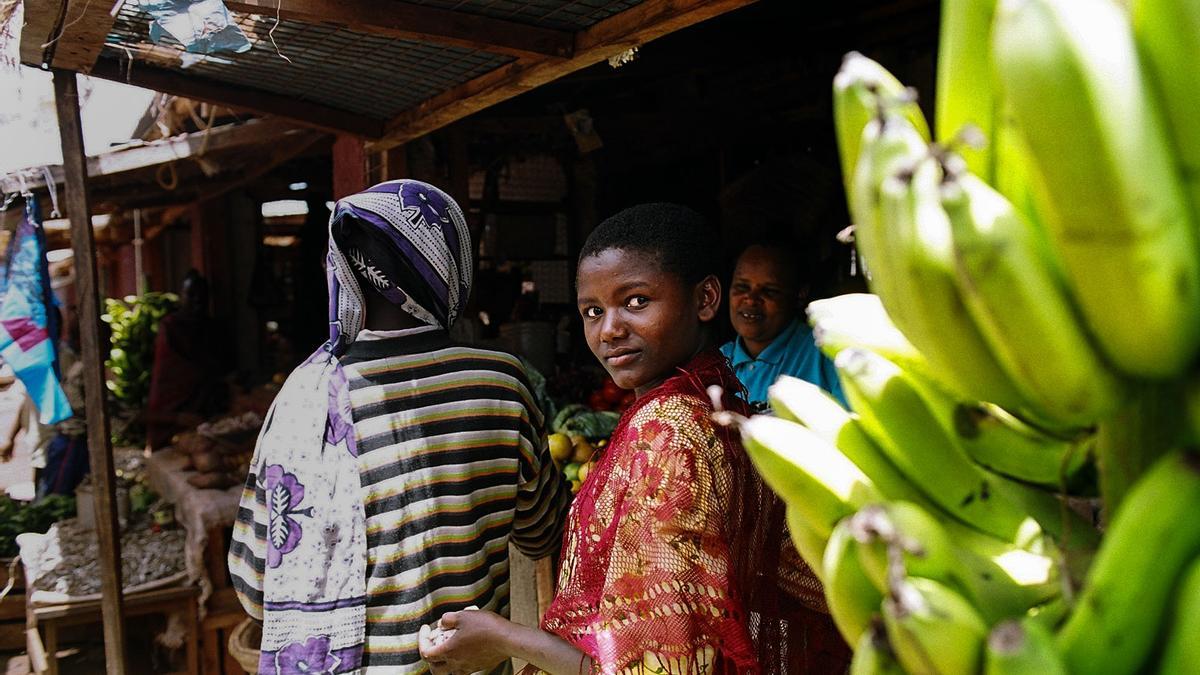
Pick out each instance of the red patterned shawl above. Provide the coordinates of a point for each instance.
(673, 546)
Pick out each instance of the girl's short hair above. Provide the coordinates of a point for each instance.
(680, 239)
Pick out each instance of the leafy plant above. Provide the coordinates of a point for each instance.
(134, 321)
(18, 517)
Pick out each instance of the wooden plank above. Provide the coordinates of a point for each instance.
(307, 114)
(632, 28)
(144, 155)
(41, 22)
(67, 35)
(66, 97)
(407, 21)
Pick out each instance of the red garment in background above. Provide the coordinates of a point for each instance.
(673, 549)
(182, 376)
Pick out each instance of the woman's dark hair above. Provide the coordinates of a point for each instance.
(678, 238)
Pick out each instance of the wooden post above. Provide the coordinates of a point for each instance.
(349, 166)
(66, 100)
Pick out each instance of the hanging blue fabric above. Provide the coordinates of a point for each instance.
(26, 325)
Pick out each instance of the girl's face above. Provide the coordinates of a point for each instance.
(641, 321)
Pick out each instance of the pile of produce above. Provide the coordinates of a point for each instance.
(20, 517)
(220, 451)
(1032, 340)
(68, 557)
(134, 321)
(578, 432)
(608, 396)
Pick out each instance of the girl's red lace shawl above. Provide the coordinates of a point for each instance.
(673, 545)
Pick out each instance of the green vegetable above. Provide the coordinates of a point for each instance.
(134, 322)
(18, 517)
(593, 424)
(566, 414)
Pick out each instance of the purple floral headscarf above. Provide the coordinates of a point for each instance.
(409, 241)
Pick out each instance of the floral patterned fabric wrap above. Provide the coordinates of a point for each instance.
(299, 552)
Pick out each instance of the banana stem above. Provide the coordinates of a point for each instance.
(1150, 424)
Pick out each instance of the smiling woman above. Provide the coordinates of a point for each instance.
(765, 299)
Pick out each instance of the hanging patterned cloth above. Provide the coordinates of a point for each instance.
(26, 326)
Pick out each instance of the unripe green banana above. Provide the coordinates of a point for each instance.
(934, 317)
(965, 95)
(809, 543)
(862, 90)
(933, 630)
(889, 144)
(1051, 614)
(859, 320)
(1168, 40)
(1021, 648)
(999, 441)
(1182, 653)
(806, 403)
(851, 596)
(1120, 222)
(810, 475)
(895, 414)
(1004, 444)
(1024, 311)
(1153, 537)
(872, 653)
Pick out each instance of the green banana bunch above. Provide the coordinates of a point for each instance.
(807, 404)
(1182, 653)
(809, 543)
(990, 435)
(1120, 223)
(809, 474)
(1168, 40)
(965, 95)
(862, 91)
(933, 316)
(1002, 580)
(1151, 541)
(933, 630)
(1022, 648)
(894, 412)
(1024, 311)
(851, 596)
(872, 653)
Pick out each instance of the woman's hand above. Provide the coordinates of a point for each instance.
(479, 641)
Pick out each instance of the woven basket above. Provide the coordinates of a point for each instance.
(243, 644)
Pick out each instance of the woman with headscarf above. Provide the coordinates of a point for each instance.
(394, 467)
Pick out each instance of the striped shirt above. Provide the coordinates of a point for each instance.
(454, 465)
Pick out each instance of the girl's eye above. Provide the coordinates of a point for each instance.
(638, 301)
(591, 312)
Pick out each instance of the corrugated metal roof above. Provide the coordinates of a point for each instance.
(359, 73)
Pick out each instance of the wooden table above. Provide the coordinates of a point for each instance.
(44, 621)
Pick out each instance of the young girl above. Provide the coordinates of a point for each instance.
(672, 555)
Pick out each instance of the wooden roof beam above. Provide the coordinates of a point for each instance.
(145, 155)
(66, 34)
(631, 28)
(307, 114)
(415, 22)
